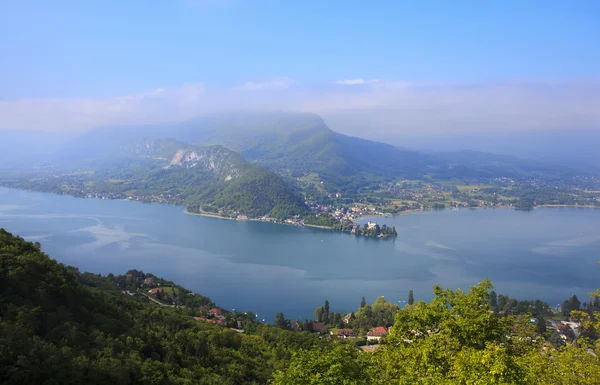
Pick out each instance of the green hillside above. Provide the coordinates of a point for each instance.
(56, 330)
(259, 192)
(60, 326)
(297, 144)
(168, 171)
(300, 144)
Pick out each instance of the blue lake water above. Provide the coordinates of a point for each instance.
(549, 253)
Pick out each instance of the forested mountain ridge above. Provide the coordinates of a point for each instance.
(211, 178)
(58, 325)
(301, 144)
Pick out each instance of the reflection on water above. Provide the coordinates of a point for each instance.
(548, 253)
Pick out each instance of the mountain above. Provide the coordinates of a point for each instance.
(298, 144)
(302, 143)
(217, 176)
(300, 147)
(223, 163)
(209, 178)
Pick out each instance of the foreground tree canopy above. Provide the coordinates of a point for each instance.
(58, 326)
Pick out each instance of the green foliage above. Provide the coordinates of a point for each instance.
(511, 306)
(210, 179)
(340, 364)
(55, 330)
(281, 321)
(570, 305)
(59, 326)
(259, 192)
(457, 339)
(365, 230)
(368, 316)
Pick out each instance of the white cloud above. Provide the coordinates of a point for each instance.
(374, 109)
(70, 114)
(274, 83)
(353, 82)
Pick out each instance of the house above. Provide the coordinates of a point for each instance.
(377, 333)
(346, 333)
(216, 312)
(371, 225)
(319, 327)
(155, 291)
(210, 320)
(348, 316)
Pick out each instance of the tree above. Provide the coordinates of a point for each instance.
(556, 340)
(411, 298)
(363, 302)
(281, 321)
(341, 364)
(541, 325)
(570, 305)
(493, 300)
(319, 313)
(326, 311)
(337, 320)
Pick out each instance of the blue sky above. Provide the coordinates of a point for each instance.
(86, 51)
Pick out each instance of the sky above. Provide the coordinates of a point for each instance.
(369, 68)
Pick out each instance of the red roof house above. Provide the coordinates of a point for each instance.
(377, 333)
(215, 311)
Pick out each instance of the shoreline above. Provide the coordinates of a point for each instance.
(572, 206)
(252, 220)
(486, 208)
(406, 212)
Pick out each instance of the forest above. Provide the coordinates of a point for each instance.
(60, 326)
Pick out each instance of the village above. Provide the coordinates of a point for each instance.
(366, 328)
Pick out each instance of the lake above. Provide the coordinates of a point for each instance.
(549, 253)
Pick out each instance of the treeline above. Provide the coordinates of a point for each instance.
(366, 317)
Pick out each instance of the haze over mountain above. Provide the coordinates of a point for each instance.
(299, 144)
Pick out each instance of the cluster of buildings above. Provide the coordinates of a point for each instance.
(344, 214)
(215, 316)
(376, 334)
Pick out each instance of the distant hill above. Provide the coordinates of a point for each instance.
(216, 176)
(209, 178)
(299, 145)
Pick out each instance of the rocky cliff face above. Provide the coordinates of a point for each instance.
(219, 160)
(222, 162)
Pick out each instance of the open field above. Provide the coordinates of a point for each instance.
(464, 188)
